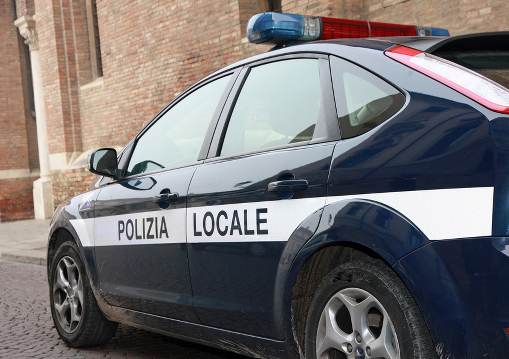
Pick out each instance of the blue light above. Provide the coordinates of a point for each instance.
(431, 31)
(435, 31)
(280, 28)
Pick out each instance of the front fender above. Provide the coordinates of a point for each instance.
(75, 216)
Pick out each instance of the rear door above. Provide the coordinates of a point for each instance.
(140, 232)
(267, 171)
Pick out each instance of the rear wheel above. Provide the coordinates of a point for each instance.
(76, 315)
(362, 310)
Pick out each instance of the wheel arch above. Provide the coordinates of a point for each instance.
(59, 236)
(347, 230)
(62, 230)
(313, 272)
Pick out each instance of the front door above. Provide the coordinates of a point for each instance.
(140, 225)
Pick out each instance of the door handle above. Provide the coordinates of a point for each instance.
(166, 198)
(288, 185)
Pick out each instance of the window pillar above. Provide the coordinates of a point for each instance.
(43, 196)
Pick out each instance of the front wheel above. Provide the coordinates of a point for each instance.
(362, 310)
(76, 315)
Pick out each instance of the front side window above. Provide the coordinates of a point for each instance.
(279, 104)
(363, 100)
(176, 138)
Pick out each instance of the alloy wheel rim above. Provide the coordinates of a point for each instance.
(355, 325)
(68, 294)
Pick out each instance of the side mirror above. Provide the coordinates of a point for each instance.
(103, 162)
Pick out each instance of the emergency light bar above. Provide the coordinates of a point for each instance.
(278, 28)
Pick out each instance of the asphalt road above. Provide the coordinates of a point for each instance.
(27, 331)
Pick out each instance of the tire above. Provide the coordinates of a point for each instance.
(77, 317)
(363, 310)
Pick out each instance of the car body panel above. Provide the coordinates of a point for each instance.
(441, 149)
(234, 288)
(155, 280)
(449, 279)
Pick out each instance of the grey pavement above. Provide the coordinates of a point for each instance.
(24, 241)
(27, 330)
(26, 327)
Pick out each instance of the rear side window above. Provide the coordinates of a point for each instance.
(279, 104)
(363, 100)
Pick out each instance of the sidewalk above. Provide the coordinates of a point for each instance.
(24, 241)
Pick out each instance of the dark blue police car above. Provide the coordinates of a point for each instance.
(345, 198)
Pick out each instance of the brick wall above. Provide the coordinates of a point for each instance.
(27, 8)
(57, 31)
(458, 16)
(153, 50)
(16, 199)
(13, 141)
(309, 7)
(70, 183)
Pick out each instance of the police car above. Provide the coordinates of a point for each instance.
(344, 198)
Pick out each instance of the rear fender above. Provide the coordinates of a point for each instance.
(367, 226)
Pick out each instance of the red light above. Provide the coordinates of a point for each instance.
(469, 83)
(341, 28)
(379, 29)
(338, 28)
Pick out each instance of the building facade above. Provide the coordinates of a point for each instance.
(82, 74)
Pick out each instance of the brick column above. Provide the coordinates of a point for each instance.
(43, 196)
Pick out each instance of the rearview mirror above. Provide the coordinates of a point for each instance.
(103, 161)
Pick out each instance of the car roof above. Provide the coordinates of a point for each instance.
(478, 41)
(422, 43)
(313, 46)
(428, 44)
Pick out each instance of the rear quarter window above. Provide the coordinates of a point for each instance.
(363, 100)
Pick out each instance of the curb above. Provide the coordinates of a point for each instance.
(23, 259)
